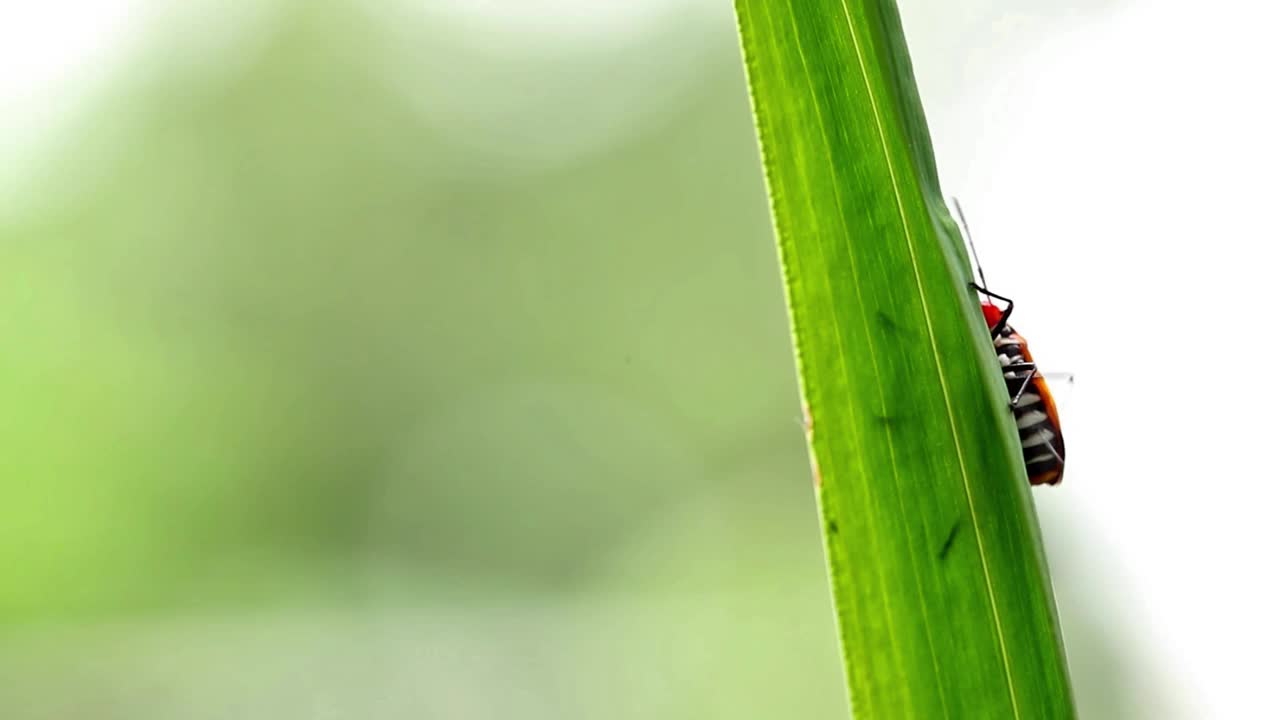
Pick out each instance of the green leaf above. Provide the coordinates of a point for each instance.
(940, 583)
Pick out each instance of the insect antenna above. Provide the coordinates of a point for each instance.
(964, 225)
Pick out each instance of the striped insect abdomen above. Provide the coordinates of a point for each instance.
(1035, 413)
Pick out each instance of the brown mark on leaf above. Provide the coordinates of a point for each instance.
(808, 435)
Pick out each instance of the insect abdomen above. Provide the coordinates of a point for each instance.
(1036, 414)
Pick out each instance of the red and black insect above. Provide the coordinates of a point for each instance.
(1032, 403)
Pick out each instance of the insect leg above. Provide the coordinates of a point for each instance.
(1048, 438)
(1004, 315)
(1029, 372)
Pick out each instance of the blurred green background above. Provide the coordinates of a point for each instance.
(429, 359)
(394, 364)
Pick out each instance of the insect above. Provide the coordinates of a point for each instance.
(1032, 403)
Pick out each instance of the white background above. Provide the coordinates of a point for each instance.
(1119, 170)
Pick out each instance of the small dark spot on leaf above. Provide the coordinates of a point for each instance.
(951, 539)
(885, 419)
(832, 528)
(886, 321)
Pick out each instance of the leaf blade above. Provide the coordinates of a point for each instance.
(875, 286)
